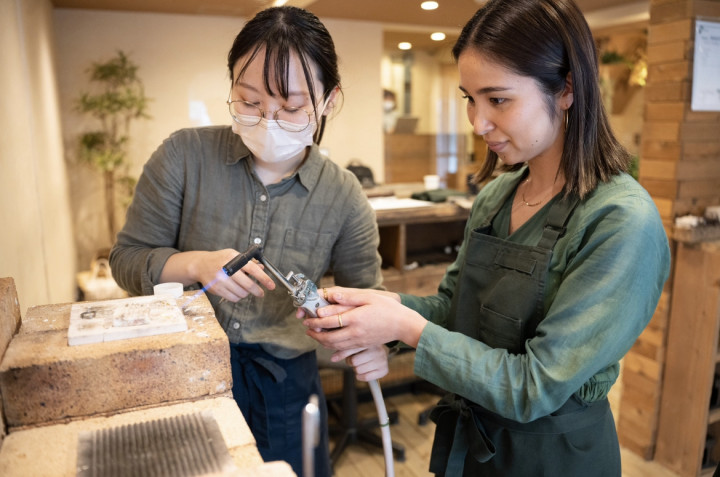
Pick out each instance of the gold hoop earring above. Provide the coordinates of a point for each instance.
(567, 119)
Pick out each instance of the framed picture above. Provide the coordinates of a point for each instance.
(706, 66)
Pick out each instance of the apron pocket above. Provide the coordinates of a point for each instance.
(500, 331)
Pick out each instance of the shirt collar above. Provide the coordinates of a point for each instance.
(237, 150)
(308, 173)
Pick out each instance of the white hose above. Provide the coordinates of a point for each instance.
(311, 435)
(384, 421)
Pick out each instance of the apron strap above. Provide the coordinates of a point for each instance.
(457, 434)
(555, 226)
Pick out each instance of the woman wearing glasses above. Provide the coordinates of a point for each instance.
(207, 193)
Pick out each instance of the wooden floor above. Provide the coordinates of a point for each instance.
(363, 460)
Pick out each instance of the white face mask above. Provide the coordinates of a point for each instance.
(271, 143)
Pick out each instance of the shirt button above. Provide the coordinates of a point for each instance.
(263, 198)
(257, 241)
(236, 325)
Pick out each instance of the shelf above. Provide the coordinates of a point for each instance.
(437, 213)
(702, 233)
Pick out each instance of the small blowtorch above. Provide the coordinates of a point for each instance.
(305, 295)
(303, 291)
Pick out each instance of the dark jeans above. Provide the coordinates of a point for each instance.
(272, 394)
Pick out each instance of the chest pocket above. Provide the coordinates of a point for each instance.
(306, 252)
(500, 292)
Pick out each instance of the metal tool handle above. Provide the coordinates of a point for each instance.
(304, 292)
(281, 278)
(242, 259)
(311, 435)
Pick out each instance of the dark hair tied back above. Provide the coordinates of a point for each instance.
(281, 31)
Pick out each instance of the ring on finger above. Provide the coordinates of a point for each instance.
(325, 294)
(340, 323)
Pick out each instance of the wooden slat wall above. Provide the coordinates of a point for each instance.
(691, 358)
(680, 167)
(409, 157)
(641, 385)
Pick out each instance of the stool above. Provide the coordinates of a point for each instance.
(350, 429)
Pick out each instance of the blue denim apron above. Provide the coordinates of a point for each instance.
(271, 394)
(499, 300)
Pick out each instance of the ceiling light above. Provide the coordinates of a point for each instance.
(404, 45)
(437, 36)
(279, 3)
(429, 5)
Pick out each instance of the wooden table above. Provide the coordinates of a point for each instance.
(420, 234)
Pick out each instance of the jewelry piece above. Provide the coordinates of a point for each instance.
(340, 320)
(325, 294)
(525, 202)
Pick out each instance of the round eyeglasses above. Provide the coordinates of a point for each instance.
(249, 114)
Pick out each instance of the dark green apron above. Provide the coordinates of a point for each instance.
(499, 300)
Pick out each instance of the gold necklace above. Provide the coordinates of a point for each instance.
(525, 202)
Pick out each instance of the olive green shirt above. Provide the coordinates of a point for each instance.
(604, 281)
(198, 191)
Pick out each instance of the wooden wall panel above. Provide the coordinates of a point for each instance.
(680, 167)
(691, 358)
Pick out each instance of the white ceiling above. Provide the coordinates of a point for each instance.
(403, 19)
(451, 13)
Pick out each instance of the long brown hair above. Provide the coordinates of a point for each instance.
(546, 40)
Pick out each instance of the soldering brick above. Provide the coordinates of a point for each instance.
(9, 313)
(51, 451)
(43, 380)
(9, 325)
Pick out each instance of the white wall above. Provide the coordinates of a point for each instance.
(182, 62)
(356, 132)
(36, 244)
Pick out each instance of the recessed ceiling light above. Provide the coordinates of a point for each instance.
(438, 36)
(429, 5)
(404, 45)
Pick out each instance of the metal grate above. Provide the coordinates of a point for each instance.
(181, 446)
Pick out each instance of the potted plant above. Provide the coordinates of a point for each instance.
(117, 98)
